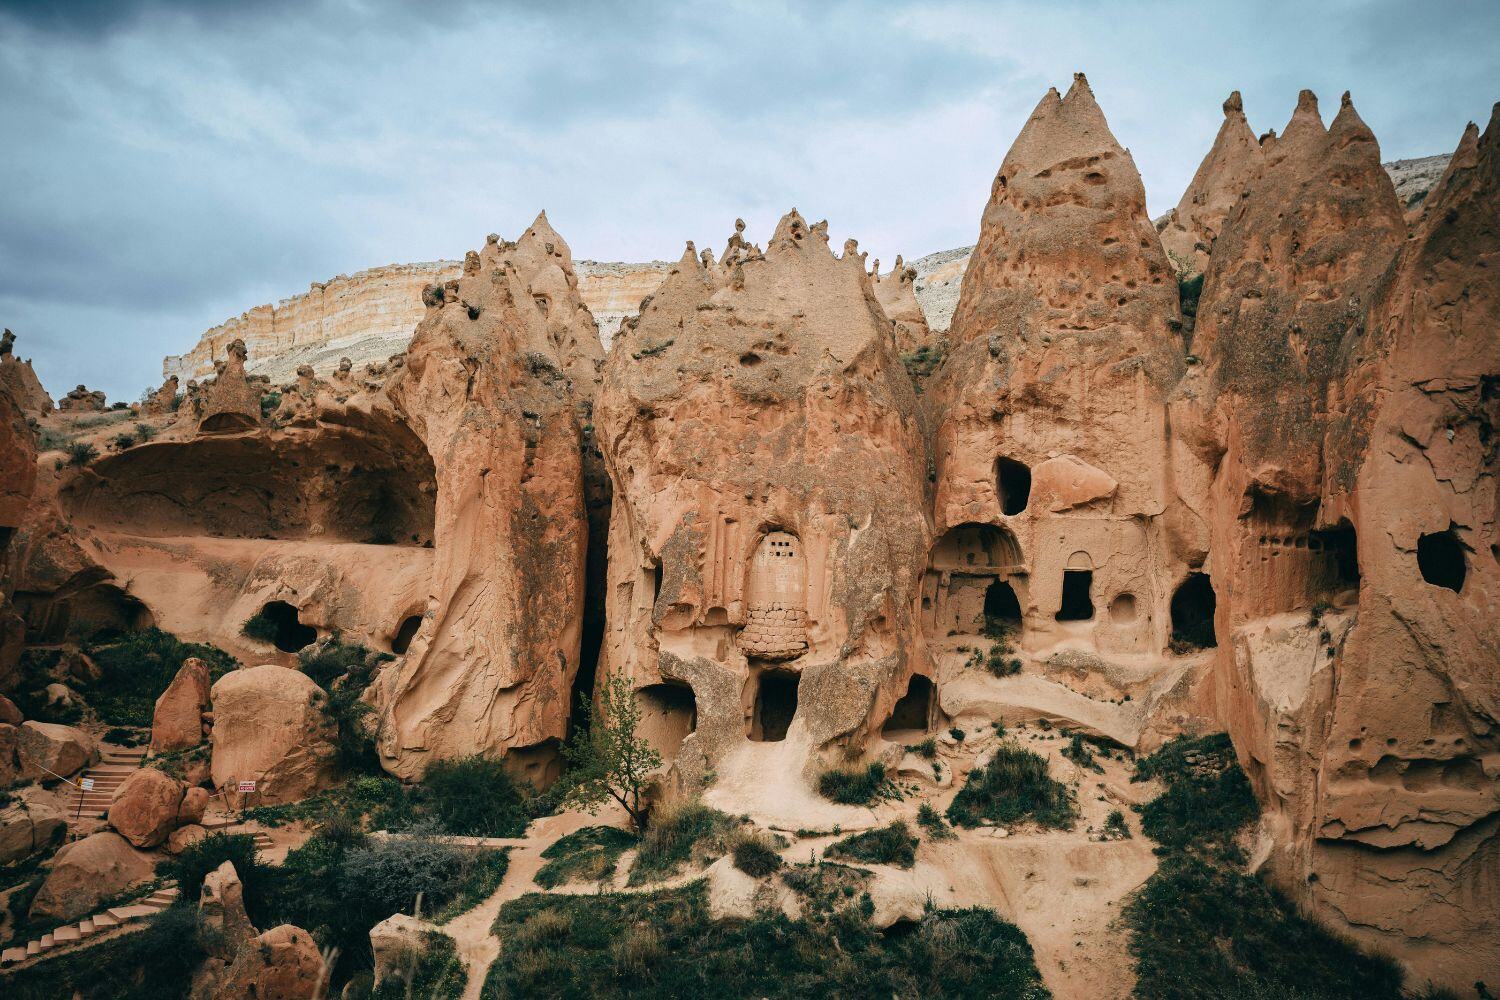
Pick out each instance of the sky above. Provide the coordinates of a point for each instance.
(167, 165)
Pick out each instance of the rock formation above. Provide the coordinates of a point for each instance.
(1189, 230)
(896, 293)
(230, 402)
(763, 565)
(86, 872)
(81, 399)
(491, 386)
(19, 381)
(270, 728)
(145, 806)
(178, 721)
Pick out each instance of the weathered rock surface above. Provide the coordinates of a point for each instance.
(85, 873)
(1189, 230)
(145, 806)
(47, 751)
(784, 540)
(221, 906)
(178, 723)
(282, 964)
(492, 385)
(270, 727)
(28, 825)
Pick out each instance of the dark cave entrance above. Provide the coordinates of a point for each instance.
(1339, 549)
(914, 709)
(1001, 608)
(1077, 603)
(1440, 557)
(775, 705)
(1013, 480)
(287, 633)
(1193, 607)
(404, 635)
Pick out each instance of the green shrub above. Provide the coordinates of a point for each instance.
(260, 627)
(1115, 827)
(194, 863)
(754, 854)
(473, 797)
(1204, 930)
(345, 671)
(927, 748)
(672, 838)
(145, 432)
(932, 821)
(1207, 800)
(587, 855)
(886, 845)
(154, 963)
(1081, 754)
(1014, 786)
(136, 667)
(81, 453)
(854, 787)
(666, 944)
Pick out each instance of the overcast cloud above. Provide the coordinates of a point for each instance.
(166, 165)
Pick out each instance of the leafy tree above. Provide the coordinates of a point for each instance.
(608, 760)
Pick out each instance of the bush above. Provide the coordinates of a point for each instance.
(136, 668)
(932, 821)
(854, 787)
(675, 834)
(1080, 753)
(344, 671)
(473, 797)
(1014, 786)
(886, 845)
(927, 749)
(1114, 826)
(587, 855)
(437, 974)
(1201, 930)
(1208, 799)
(626, 945)
(81, 453)
(260, 627)
(194, 863)
(754, 854)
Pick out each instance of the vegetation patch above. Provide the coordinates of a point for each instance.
(886, 845)
(678, 834)
(1201, 927)
(1014, 786)
(155, 963)
(853, 786)
(930, 820)
(587, 855)
(754, 853)
(136, 667)
(434, 972)
(666, 944)
(1207, 800)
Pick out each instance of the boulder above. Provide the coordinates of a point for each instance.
(85, 873)
(270, 728)
(281, 964)
(194, 805)
(27, 826)
(177, 723)
(9, 713)
(145, 806)
(48, 751)
(1066, 482)
(396, 943)
(184, 837)
(221, 906)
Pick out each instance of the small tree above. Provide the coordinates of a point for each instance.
(608, 760)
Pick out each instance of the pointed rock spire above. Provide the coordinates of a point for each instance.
(1232, 161)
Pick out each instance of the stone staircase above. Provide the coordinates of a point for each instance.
(115, 765)
(108, 919)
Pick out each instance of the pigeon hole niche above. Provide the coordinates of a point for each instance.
(775, 631)
(974, 583)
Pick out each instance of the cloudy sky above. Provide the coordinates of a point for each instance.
(165, 165)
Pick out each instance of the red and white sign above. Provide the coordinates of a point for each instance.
(247, 786)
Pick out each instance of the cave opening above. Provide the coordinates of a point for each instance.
(287, 633)
(1013, 480)
(1340, 550)
(1193, 606)
(1440, 557)
(1001, 608)
(405, 634)
(1077, 602)
(775, 705)
(1122, 609)
(914, 709)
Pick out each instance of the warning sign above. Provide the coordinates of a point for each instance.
(88, 784)
(247, 786)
